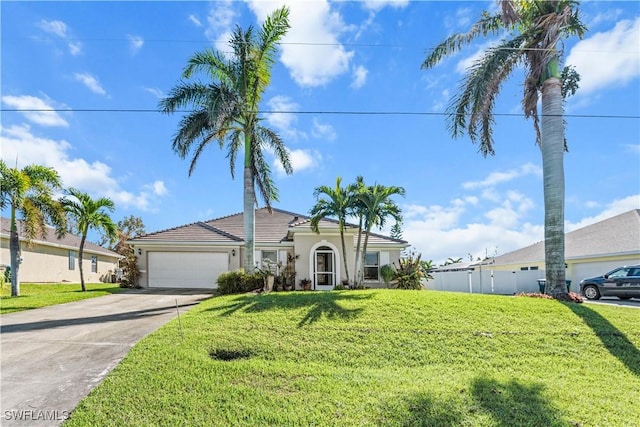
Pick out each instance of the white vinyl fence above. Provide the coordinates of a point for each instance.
(486, 281)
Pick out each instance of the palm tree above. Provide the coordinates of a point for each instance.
(28, 192)
(226, 111)
(534, 30)
(337, 204)
(376, 206)
(89, 214)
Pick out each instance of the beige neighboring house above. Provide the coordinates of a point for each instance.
(53, 260)
(194, 255)
(589, 251)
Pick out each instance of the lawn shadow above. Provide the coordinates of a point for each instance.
(613, 339)
(318, 304)
(515, 404)
(422, 410)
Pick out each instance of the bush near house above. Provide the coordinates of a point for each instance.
(239, 281)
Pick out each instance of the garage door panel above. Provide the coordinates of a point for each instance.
(186, 269)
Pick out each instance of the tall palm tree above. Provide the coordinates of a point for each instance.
(357, 209)
(377, 206)
(89, 214)
(337, 203)
(225, 111)
(533, 31)
(28, 192)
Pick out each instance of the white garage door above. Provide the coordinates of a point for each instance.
(186, 269)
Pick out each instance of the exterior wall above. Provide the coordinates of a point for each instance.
(304, 242)
(578, 269)
(50, 264)
(142, 253)
(510, 279)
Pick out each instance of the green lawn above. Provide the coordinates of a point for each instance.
(390, 358)
(33, 295)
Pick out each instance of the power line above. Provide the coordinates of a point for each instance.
(350, 45)
(334, 112)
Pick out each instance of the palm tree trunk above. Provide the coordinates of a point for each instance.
(552, 146)
(357, 259)
(344, 253)
(80, 255)
(14, 250)
(249, 217)
(363, 256)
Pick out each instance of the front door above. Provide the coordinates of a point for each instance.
(324, 269)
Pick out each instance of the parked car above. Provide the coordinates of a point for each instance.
(623, 282)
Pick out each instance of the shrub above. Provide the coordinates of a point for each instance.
(409, 272)
(235, 282)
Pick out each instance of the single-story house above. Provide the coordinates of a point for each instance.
(589, 251)
(50, 259)
(194, 255)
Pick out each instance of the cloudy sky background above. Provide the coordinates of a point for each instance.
(91, 74)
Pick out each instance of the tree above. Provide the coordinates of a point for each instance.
(28, 192)
(128, 228)
(89, 214)
(226, 111)
(396, 231)
(534, 30)
(452, 260)
(337, 203)
(376, 206)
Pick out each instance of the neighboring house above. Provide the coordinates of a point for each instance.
(589, 251)
(194, 255)
(53, 260)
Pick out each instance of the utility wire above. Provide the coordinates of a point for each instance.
(335, 112)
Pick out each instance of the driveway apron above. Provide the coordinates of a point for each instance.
(52, 357)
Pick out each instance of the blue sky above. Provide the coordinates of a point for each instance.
(357, 57)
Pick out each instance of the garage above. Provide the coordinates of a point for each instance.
(186, 269)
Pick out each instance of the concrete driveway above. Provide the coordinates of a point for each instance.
(52, 357)
(633, 303)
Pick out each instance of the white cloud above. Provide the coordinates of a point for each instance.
(613, 208)
(610, 15)
(220, 21)
(323, 57)
(75, 48)
(634, 148)
(42, 118)
(465, 63)
(359, 77)
(495, 178)
(323, 131)
(281, 119)
(300, 160)
(18, 142)
(158, 93)
(608, 58)
(377, 5)
(135, 43)
(194, 19)
(461, 19)
(60, 29)
(90, 82)
(57, 28)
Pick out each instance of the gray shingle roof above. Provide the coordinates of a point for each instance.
(616, 235)
(50, 238)
(270, 228)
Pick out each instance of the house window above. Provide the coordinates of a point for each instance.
(524, 268)
(94, 264)
(372, 266)
(270, 260)
(535, 267)
(72, 260)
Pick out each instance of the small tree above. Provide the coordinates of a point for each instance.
(28, 193)
(89, 214)
(408, 273)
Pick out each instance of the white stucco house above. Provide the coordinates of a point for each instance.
(50, 259)
(194, 255)
(589, 251)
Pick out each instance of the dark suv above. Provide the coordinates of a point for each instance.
(623, 282)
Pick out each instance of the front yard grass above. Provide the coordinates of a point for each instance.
(378, 358)
(34, 295)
